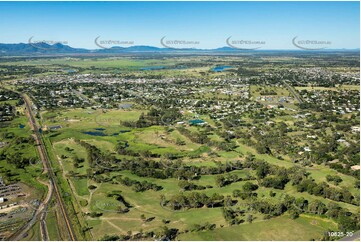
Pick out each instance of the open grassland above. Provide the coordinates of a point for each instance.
(304, 228)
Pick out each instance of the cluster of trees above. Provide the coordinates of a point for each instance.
(223, 145)
(95, 157)
(139, 186)
(269, 175)
(202, 227)
(196, 137)
(223, 180)
(94, 214)
(19, 158)
(139, 166)
(347, 221)
(324, 190)
(162, 234)
(243, 194)
(142, 167)
(155, 117)
(268, 208)
(278, 182)
(295, 206)
(193, 200)
(166, 234)
(335, 179)
(276, 177)
(129, 236)
(189, 186)
(233, 216)
(77, 162)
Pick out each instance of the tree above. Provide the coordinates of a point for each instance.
(249, 218)
(317, 207)
(249, 187)
(262, 170)
(164, 233)
(294, 213)
(236, 193)
(220, 180)
(348, 222)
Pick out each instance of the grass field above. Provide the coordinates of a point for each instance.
(303, 228)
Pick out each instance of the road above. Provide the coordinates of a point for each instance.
(43, 228)
(292, 90)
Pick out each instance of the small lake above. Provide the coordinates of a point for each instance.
(100, 132)
(221, 68)
(70, 71)
(21, 126)
(152, 68)
(95, 133)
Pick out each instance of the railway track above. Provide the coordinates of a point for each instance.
(293, 91)
(46, 161)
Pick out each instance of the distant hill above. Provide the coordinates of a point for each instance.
(38, 48)
(46, 49)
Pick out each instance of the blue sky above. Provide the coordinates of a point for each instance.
(209, 23)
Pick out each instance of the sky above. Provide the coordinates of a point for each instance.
(204, 24)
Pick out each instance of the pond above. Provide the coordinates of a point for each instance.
(100, 132)
(221, 68)
(95, 133)
(152, 68)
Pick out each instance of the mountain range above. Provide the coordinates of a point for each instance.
(47, 49)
